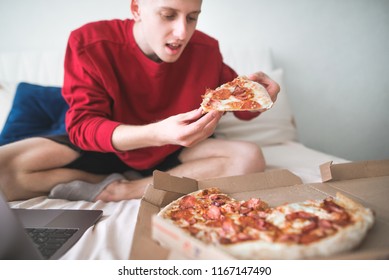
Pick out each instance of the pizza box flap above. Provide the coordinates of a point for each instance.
(232, 184)
(354, 170)
(253, 182)
(169, 183)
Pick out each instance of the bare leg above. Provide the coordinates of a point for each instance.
(209, 159)
(31, 167)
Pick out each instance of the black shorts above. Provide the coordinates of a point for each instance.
(107, 163)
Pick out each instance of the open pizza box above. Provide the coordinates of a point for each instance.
(365, 182)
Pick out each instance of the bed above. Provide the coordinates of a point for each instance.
(112, 236)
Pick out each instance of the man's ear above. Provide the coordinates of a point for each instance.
(135, 9)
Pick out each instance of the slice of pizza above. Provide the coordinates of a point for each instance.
(241, 94)
(252, 230)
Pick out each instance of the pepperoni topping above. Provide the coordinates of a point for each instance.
(299, 215)
(192, 230)
(229, 226)
(311, 226)
(251, 105)
(255, 204)
(330, 206)
(242, 93)
(308, 238)
(188, 201)
(289, 237)
(185, 214)
(218, 199)
(213, 213)
(325, 224)
(341, 217)
(221, 94)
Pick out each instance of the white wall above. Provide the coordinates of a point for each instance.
(335, 55)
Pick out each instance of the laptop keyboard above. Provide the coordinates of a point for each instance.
(49, 240)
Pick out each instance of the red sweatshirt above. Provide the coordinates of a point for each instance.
(109, 81)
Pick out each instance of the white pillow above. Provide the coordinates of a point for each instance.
(7, 93)
(272, 127)
(247, 60)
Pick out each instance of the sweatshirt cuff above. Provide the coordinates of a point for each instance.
(246, 115)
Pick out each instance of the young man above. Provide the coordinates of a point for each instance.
(134, 88)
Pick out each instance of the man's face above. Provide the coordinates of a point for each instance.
(164, 27)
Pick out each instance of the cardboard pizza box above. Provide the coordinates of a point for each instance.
(366, 182)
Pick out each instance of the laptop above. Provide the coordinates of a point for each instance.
(41, 233)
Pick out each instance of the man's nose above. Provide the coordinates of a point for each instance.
(180, 29)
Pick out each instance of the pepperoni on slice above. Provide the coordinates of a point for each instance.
(251, 105)
(300, 215)
(213, 104)
(308, 238)
(188, 201)
(255, 204)
(325, 224)
(331, 206)
(221, 94)
(185, 214)
(213, 213)
(242, 93)
(289, 237)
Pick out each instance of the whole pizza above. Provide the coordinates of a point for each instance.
(252, 230)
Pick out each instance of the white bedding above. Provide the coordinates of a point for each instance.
(112, 236)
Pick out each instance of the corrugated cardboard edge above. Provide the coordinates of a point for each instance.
(253, 182)
(263, 180)
(166, 182)
(354, 170)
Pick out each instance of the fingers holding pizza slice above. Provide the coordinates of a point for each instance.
(241, 94)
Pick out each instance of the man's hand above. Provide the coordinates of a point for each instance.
(189, 128)
(271, 86)
(185, 129)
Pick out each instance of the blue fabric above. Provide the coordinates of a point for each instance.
(36, 111)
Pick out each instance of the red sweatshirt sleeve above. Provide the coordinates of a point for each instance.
(228, 74)
(87, 120)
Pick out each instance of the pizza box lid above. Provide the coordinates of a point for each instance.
(369, 186)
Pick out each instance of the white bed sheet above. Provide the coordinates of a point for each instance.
(299, 159)
(111, 238)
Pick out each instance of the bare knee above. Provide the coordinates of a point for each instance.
(249, 158)
(22, 159)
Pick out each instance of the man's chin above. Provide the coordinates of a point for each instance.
(169, 56)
